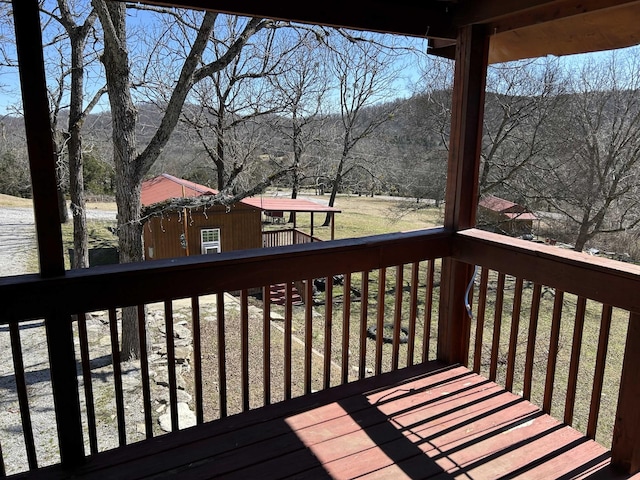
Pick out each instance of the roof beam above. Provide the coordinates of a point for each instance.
(505, 16)
(426, 19)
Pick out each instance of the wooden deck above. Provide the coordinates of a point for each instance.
(427, 421)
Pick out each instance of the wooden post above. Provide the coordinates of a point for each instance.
(42, 163)
(185, 226)
(461, 198)
(39, 139)
(333, 226)
(312, 226)
(625, 448)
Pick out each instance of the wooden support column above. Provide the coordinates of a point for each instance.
(39, 137)
(625, 448)
(461, 198)
(42, 163)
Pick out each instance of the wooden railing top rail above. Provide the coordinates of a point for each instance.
(304, 234)
(608, 281)
(278, 231)
(30, 297)
(294, 231)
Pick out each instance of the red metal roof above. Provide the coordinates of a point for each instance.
(165, 186)
(281, 204)
(496, 204)
(509, 209)
(520, 216)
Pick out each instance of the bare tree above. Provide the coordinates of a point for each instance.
(131, 166)
(14, 162)
(519, 112)
(365, 73)
(594, 178)
(70, 87)
(303, 89)
(422, 138)
(229, 104)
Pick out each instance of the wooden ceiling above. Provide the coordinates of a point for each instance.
(517, 28)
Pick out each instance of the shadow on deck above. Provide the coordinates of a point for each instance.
(426, 421)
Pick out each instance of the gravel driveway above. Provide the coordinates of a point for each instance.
(17, 244)
(18, 237)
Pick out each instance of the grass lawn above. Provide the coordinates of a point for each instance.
(361, 216)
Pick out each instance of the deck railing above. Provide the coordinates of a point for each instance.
(554, 326)
(201, 346)
(547, 324)
(289, 236)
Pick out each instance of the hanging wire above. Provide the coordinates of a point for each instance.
(466, 293)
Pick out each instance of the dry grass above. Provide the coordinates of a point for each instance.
(10, 201)
(361, 216)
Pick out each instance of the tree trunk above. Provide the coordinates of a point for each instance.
(332, 197)
(62, 204)
(583, 232)
(128, 178)
(295, 173)
(334, 189)
(74, 146)
(76, 191)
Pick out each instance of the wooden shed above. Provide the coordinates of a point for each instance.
(505, 216)
(183, 232)
(219, 228)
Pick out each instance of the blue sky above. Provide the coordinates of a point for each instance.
(9, 79)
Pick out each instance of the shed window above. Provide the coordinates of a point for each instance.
(210, 240)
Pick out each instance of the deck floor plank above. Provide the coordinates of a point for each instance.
(423, 422)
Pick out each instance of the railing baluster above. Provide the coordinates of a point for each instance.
(513, 340)
(171, 365)
(64, 383)
(144, 372)
(413, 313)
(482, 305)
(266, 344)
(553, 351)
(531, 340)
(625, 454)
(23, 398)
(428, 307)
(244, 348)
(197, 359)
(572, 383)
(364, 313)
(288, 320)
(83, 338)
(222, 354)
(382, 280)
(117, 376)
(308, 334)
(397, 318)
(328, 330)
(497, 326)
(346, 315)
(598, 377)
